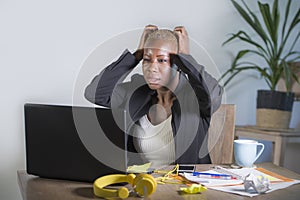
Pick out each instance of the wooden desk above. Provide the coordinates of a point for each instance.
(35, 188)
(279, 138)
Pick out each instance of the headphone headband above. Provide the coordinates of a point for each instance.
(143, 184)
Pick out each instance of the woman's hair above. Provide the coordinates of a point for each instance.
(163, 34)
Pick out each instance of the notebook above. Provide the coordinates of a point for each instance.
(74, 143)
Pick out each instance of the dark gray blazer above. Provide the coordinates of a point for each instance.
(198, 96)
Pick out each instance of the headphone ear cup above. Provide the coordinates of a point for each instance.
(144, 185)
(100, 184)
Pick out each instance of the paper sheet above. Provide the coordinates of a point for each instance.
(237, 187)
(139, 168)
(209, 182)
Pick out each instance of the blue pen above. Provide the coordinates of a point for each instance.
(212, 175)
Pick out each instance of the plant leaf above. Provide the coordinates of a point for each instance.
(294, 23)
(245, 37)
(295, 41)
(234, 36)
(276, 53)
(237, 70)
(287, 75)
(287, 11)
(276, 19)
(254, 24)
(265, 11)
(295, 77)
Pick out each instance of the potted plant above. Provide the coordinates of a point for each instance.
(273, 45)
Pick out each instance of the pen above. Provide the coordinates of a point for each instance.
(211, 175)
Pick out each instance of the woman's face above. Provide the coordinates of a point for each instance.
(157, 66)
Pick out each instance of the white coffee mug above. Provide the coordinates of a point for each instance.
(245, 152)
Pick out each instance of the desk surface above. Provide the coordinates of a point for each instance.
(33, 188)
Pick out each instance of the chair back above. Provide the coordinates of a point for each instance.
(221, 135)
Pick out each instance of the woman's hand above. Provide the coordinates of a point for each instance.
(140, 51)
(148, 29)
(183, 39)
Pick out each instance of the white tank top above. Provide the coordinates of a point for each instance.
(155, 142)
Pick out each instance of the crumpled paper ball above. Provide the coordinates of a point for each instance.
(260, 184)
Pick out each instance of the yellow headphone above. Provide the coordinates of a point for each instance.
(143, 184)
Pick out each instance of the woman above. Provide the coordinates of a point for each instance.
(170, 105)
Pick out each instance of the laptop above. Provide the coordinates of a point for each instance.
(74, 143)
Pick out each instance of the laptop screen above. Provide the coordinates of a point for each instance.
(73, 142)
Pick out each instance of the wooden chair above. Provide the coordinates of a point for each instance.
(221, 135)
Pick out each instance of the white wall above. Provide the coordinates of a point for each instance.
(44, 43)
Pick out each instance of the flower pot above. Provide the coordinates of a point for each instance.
(273, 109)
